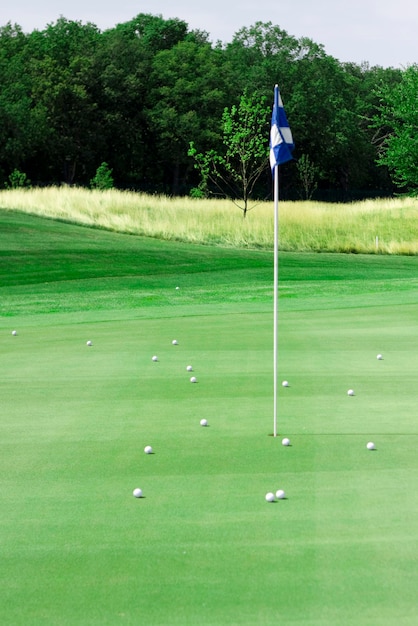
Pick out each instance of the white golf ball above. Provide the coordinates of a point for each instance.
(350, 392)
(203, 422)
(379, 357)
(148, 450)
(89, 343)
(286, 442)
(371, 446)
(174, 342)
(270, 496)
(137, 493)
(14, 332)
(193, 379)
(177, 287)
(189, 368)
(155, 358)
(285, 383)
(280, 494)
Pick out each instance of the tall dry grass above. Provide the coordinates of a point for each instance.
(386, 226)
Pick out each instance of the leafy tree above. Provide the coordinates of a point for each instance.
(322, 119)
(125, 65)
(22, 120)
(186, 99)
(61, 63)
(235, 172)
(262, 55)
(135, 95)
(103, 178)
(397, 124)
(17, 180)
(365, 82)
(321, 100)
(154, 32)
(308, 176)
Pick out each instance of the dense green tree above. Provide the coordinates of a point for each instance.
(125, 66)
(103, 178)
(22, 119)
(154, 32)
(324, 119)
(365, 80)
(396, 126)
(135, 96)
(61, 64)
(185, 102)
(325, 103)
(261, 56)
(17, 180)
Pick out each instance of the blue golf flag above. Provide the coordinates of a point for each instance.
(281, 140)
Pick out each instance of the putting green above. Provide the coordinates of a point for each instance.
(203, 547)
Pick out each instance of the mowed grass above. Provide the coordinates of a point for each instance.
(203, 547)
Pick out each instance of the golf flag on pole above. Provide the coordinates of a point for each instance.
(281, 140)
(281, 147)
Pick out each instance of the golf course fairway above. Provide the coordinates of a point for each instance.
(202, 547)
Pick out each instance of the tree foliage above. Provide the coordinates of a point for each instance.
(308, 173)
(103, 178)
(186, 101)
(397, 126)
(135, 96)
(17, 180)
(235, 171)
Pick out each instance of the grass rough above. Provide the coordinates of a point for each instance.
(383, 226)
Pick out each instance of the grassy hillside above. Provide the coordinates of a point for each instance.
(52, 266)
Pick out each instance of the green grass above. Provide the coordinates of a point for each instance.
(203, 548)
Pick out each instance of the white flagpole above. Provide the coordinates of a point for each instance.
(281, 147)
(276, 293)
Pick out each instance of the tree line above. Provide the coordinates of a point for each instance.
(143, 99)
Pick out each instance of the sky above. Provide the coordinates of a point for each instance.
(379, 32)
